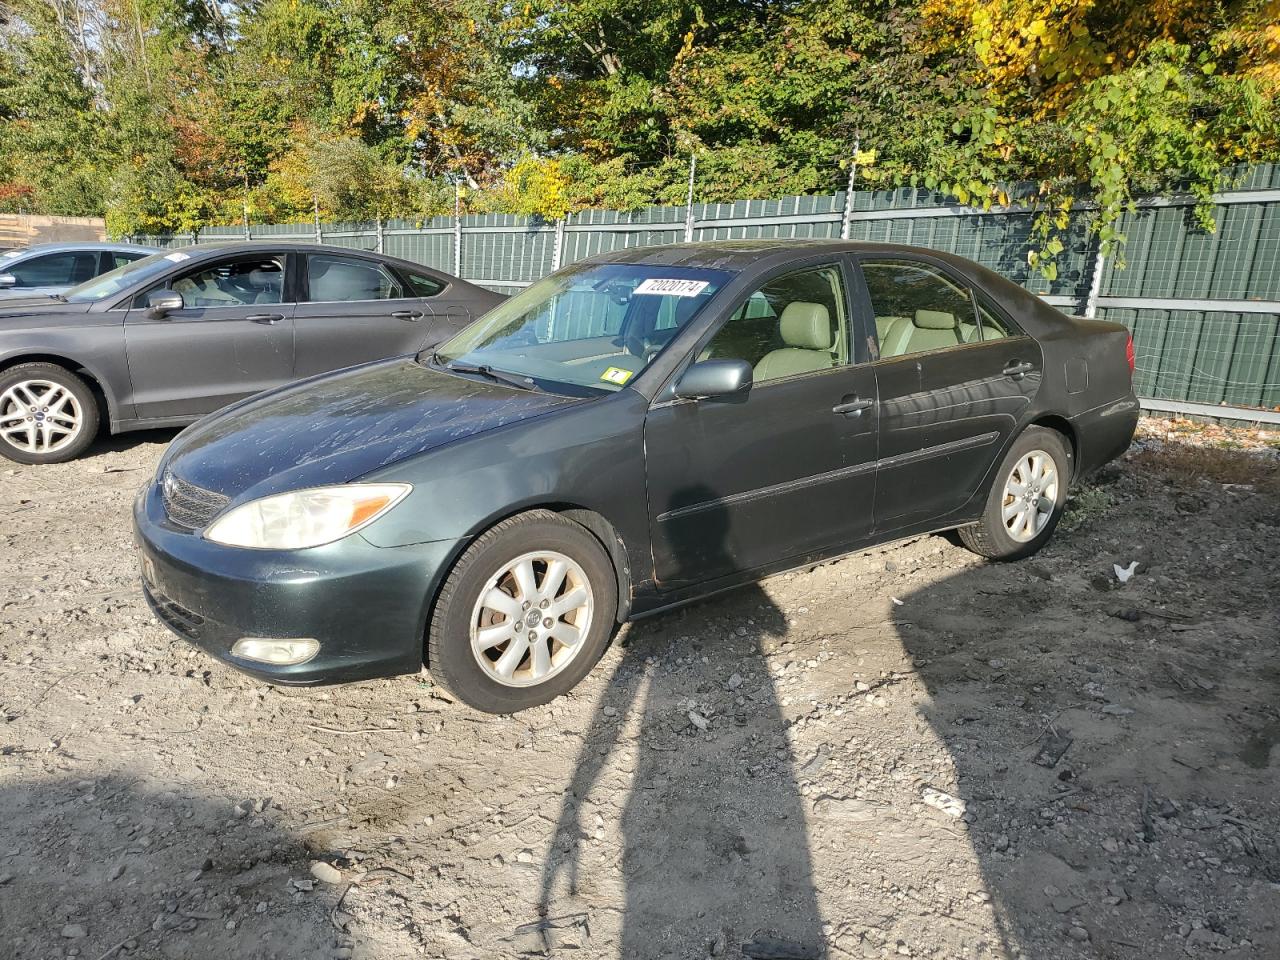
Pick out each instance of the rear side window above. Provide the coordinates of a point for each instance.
(55, 270)
(918, 308)
(423, 286)
(118, 258)
(342, 279)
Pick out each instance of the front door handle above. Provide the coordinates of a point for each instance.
(265, 317)
(1017, 370)
(852, 408)
(411, 315)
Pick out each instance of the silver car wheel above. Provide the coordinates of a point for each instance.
(39, 416)
(1030, 495)
(531, 618)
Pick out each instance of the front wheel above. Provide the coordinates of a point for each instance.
(47, 414)
(1026, 499)
(524, 615)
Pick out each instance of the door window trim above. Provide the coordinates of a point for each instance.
(130, 301)
(664, 396)
(976, 297)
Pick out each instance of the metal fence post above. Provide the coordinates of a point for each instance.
(1095, 284)
(847, 217)
(557, 246)
(457, 229)
(688, 210)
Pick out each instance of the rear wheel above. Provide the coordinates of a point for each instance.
(47, 414)
(524, 615)
(1026, 498)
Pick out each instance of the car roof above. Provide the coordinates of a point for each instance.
(222, 247)
(85, 245)
(743, 254)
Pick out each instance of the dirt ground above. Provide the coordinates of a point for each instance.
(909, 752)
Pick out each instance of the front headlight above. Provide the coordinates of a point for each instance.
(306, 518)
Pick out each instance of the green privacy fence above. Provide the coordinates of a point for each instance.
(1204, 307)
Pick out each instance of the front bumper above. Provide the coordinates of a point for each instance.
(366, 605)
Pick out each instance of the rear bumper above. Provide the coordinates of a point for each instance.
(1104, 433)
(366, 605)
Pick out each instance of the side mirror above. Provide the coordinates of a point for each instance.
(161, 302)
(8, 280)
(712, 379)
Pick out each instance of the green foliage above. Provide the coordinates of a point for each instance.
(175, 114)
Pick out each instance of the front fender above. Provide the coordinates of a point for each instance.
(586, 457)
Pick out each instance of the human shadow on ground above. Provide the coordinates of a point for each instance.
(701, 869)
(109, 867)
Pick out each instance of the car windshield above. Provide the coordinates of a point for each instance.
(121, 278)
(593, 327)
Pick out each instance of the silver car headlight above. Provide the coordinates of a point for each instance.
(306, 518)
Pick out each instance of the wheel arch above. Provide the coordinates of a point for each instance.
(106, 402)
(1060, 424)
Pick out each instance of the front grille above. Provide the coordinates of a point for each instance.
(190, 506)
(185, 623)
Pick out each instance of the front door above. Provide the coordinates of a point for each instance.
(954, 378)
(786, 470)
(354, 309)
(233, 338)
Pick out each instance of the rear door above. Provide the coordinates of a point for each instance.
(954, 377)
(232, 339)
(354, 309)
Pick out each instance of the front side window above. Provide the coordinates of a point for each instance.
(233, 283)
(345, 279)
(792, 325)
(122, 278)
(917, 308)
(55, 270)
(589, 327)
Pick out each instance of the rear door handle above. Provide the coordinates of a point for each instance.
(1018, 370)
(412, 315)
(852, 408)
(265, 317)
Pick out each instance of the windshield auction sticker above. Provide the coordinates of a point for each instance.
(671, 287)
(617, 374)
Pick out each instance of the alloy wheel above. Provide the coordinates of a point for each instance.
(1030, 495)
(531, 618)
(39, 416)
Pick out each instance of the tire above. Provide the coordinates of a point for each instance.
(497, 596)
(1027, 529)
(35, 431)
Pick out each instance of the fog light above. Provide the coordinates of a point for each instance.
(282, 653)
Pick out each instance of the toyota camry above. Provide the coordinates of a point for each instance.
(636, 431)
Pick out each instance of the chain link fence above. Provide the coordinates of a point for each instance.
(1204, 307)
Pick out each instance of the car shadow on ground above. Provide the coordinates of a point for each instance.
(107, 443)
(1102, 748)
(111, 867)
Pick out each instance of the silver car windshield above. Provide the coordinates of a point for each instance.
(597, 326)
(121, 278)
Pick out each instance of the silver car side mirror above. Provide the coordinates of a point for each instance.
(8, 280)
(161, 302)
(712, 379)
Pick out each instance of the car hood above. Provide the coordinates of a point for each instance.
(338, 427)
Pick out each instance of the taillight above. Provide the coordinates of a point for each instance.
(1129, 354)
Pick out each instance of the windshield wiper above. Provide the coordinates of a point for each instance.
(484, 370)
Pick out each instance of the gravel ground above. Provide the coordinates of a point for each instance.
(909, 752)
